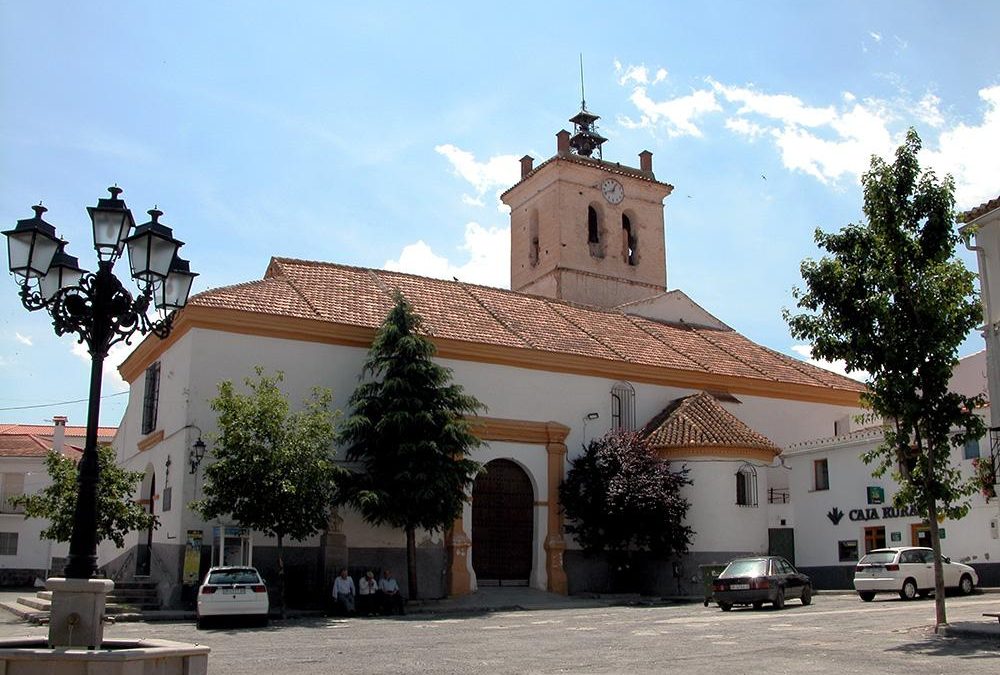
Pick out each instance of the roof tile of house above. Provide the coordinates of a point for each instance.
(699, 421)
(479, 314)
(980, 210)
(35, 440)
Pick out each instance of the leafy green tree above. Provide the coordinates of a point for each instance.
(892, 300)
(409, 433)
(274, 469)
(619, 498)
(117, 512)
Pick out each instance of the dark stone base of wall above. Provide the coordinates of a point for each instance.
(648, 575)
(20, 578)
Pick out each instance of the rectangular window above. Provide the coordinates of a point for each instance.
(8, 543)
(168, 494)
(874, 538)
(746, 486)
(971, 448)
(821, 475)
(151, 399)
(13, 486)
(848, 549)
(876, 494)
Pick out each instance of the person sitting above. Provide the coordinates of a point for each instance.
(367, 594)
(343, 593)
(392, 600)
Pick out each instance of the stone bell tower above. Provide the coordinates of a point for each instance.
(584, 229)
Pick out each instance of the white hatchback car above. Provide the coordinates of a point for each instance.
(908, 571)
(234, 592)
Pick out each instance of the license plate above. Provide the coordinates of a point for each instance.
(739, 587)
(238, 591)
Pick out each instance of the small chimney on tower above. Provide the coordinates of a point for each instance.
(562, 142)
(527, 164)
(646, 161)
(59, 433)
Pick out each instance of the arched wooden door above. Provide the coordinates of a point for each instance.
(502, 525)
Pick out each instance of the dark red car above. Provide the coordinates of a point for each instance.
(754, 581)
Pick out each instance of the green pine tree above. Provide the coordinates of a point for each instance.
(409, 432)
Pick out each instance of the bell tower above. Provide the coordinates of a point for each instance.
(584, 229)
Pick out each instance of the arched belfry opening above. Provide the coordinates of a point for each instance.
(502, 525)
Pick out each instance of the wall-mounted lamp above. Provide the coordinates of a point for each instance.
(592, 416)
(197, 450)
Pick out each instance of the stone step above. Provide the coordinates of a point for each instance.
(25, 613)
(38, 604)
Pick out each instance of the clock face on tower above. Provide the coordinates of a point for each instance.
(612, 191)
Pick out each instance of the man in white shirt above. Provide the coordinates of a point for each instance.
(343, 592)
(392, 601)
(367, 594)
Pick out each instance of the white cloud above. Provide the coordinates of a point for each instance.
(677, 115)
(497, 173)
(875, 36)
(112, 379)
(969, 153)
(782, 107)
(633, 74)
(661, 75)
(839, 367)
(745, 127)
(488, 263)
(927, 110)
(24, 339)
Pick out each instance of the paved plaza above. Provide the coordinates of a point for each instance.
(837, 634)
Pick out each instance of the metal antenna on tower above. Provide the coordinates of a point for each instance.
(583, 97)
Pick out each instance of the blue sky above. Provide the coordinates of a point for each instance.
(380, 134)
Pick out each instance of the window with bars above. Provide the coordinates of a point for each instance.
(11, 485)
(623, 407)
(821, 475)
(8, 543)
(746, 486)
(151, 398)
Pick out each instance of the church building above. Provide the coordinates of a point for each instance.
(588, 339)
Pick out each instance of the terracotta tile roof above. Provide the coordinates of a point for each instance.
(699, 421)
(35, 440)
(464, 312)
(980, 210)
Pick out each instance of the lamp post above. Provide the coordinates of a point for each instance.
(101, 312)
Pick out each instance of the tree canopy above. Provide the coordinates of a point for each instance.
(273, 469)
(619, 497)
(409, 433)
(117, 511)
(891, 299)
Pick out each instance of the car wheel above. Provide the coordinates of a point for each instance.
(965, 585)
(807, 595)
(725, 606)
(201, 623)
(758, 604)
(867, 596)
(779, 599)
(909, 590)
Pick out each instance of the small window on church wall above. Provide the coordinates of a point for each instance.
(629, 243)
(623, 407)
(533, 237)
(746, 486)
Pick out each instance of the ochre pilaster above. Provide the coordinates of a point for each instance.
(458, 543)
(555, 544)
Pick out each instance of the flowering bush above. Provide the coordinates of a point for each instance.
(985, 469)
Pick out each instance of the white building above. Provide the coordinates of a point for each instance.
(839, 511)
(589, 339)
(24, 555)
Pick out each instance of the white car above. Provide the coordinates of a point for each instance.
(908, 571)
(234, 592)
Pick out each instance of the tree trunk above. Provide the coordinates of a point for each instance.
(940, 616)
(281, 576)
(411, 561)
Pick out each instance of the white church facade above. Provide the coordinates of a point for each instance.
(588, 340)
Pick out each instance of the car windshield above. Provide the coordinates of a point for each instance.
(239, 576)
(878, 558)
(745, 568)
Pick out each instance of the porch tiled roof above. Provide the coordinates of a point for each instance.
(699, 421)
(452, 310)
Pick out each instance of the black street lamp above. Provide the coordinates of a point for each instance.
(97, 308)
